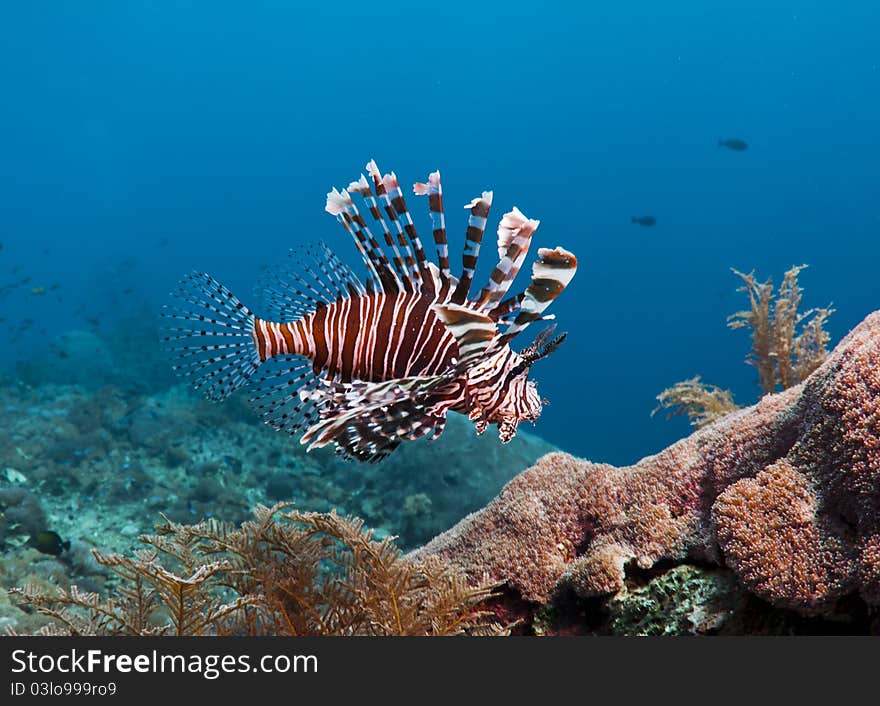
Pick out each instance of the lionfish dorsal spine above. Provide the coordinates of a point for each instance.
(340, 204)
(479, 208)
(382, 194)
(362, 187)
(434, 191)
(395, 196)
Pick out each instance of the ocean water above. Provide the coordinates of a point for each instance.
(143, 140)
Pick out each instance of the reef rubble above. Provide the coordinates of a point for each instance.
(783, 495)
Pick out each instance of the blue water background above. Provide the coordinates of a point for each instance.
(141, 140)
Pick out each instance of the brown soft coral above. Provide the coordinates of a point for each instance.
(786, 493)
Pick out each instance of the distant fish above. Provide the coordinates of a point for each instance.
(7, 288)
(367, 366)
(646, 221)
(735, 144)
(49, 542)
(37, 291)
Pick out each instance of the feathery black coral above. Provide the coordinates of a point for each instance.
(283, 573)
(787, 345)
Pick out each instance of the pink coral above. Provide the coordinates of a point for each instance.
(786, 493)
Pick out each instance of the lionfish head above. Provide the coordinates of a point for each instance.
(522, 401)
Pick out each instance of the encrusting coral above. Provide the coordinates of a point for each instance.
(787, 345)
(786, 493)
(283, 573)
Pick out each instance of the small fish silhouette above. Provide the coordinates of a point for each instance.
(49, 542)
(37, 291)
(646, 221)
(735, 144)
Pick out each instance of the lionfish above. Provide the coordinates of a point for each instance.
(367, 365)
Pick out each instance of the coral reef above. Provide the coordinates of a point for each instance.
(283, 573)
(97, 463)
(785, 493)
(787, 345)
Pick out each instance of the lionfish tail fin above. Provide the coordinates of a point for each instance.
(210, 335)
(551, 273)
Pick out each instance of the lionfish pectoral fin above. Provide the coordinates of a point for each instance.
(515, 233)
(473, 332)
(551, 274)
(367, 421)
(311, 277)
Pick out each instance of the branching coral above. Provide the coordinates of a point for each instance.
(282, 573)
(787, 345)
(786, 493)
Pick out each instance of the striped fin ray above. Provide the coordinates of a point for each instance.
(395, 196)
(362, 187)
(474, 332)
(415, 277)
(514, 237)
(368, 420)
(479, 208)
(358, 225)
(340, 204)
(507, 308)
(434, 191)
(551, 274)
(282, 395)
(311, 277)
(210, 336)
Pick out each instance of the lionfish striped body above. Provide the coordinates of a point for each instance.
(366, 366)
